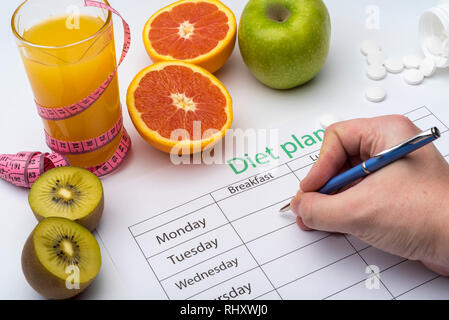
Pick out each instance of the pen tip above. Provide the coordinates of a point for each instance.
(285, 208)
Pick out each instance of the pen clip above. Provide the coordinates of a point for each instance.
(420, 137)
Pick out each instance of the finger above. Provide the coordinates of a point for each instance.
(294, 207)
(294, 203)
(355, 141)
(301, 225)
(341, 143)
(444, 271)
(336, 213)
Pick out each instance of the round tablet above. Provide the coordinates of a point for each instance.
(375, 94)
(394, 65)
(412, 61)
(328, 119)
(428, 67)
(369, 46)
(375, 72)
(375, 58)
(413, 76)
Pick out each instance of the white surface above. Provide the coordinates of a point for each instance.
(413, 76)
(336, 90)
(375, 94)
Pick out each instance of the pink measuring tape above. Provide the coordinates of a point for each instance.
(23, 168)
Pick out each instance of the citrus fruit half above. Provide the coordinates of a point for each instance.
(201, 32)
(178, 107)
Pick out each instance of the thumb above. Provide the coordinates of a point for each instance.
(331, 213)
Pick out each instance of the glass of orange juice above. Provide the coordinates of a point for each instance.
(68, 51)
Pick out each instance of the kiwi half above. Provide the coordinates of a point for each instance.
(68, 192)
(53, 246)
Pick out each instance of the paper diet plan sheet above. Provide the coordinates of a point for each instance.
(232, 243)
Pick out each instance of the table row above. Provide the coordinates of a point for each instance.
(328, 268)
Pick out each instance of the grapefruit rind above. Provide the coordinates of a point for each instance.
(153, 137)
(212, 60)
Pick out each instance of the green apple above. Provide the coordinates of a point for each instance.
(285, 43)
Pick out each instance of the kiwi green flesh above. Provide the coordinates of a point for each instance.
(68, 192)
(53, 246)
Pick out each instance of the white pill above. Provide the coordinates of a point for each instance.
(369, 46)
(394, 65)
(427, 67)
(376, 72)
(434, 45)
(412, 61)
(375, 94)
(328, 119)
(376, 58)
(413, 76)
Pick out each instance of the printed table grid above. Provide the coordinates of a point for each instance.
(274, 286)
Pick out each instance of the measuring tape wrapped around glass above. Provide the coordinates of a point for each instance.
(23, 168)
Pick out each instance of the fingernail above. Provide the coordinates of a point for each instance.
(295, 204)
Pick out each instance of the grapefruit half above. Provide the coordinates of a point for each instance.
(178, 107)
(202, 32)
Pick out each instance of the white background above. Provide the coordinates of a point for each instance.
(337, 89)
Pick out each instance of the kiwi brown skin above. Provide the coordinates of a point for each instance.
(42, 280)
(92, 221)
(89, 222)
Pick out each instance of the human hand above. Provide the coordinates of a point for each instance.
(402, 209)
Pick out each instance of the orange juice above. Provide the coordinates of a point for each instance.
(65, 63)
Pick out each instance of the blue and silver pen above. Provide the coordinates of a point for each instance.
(377, 162)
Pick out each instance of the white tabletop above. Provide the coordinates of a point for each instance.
(337, 89)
